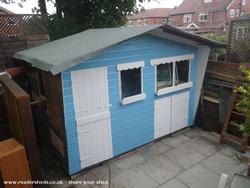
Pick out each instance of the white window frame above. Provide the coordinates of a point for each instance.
(187, 18)
(201, 15)
(127, 66)
(207, 1)
(231, 13)
(243, 2)
(130, 23)
(164, 20)
(139, 23)
(237, 12)
(174, 59)
(145, 22)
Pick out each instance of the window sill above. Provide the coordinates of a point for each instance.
(133, 99)
(174, 88)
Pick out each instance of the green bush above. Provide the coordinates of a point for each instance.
(218, 38)
(243, 105)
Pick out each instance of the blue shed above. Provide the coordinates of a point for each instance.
(120, 88)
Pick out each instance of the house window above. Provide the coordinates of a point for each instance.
(130, 23)
(145, 22)
(164, 21)
(237, 12)
(139, 23)
(131, 82)
(172, 74)
(203, 17)
(243, 2)
(231, 13)
(207, 1)
(187, 18)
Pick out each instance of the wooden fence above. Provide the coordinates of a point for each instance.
(19, 32)
(18, 25)
(220, 79)
(9, 46)
(20, 122)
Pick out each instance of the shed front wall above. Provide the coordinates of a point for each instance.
(132, 125)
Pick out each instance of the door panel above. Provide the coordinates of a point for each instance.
(91, 104)
(180, 105)
(162, 117)
(171, 114)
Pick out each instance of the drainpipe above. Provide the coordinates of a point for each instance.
(240, 8)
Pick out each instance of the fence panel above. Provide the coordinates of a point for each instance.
(20, 122)
(239, 41)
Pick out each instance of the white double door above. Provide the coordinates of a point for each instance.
(92, 114)
(171, 114)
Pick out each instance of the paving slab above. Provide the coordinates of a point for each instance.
(173, 183)
(193, 133)
(184, 156)
(229, 151)
(220, 163)
(213, 137)
(174, 141)
(129, 161)
(154, 149)
(133, 178)
(199, 177)
(114, 170)
(161, 169)
(97, 173)
(203, 146)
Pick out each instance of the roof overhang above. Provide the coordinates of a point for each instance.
(191, 36)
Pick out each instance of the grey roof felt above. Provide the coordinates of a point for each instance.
(64, 53)
(59, 55)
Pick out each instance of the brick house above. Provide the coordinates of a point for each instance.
(150, 17)
(206, 16)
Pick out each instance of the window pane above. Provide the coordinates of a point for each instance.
(164, 75)
(131, 82)
(182, 72)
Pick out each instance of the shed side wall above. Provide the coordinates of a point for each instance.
(55, 112)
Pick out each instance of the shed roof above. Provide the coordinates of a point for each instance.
(61, 54)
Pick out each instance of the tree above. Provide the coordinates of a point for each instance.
(220, 52)
(76, 16)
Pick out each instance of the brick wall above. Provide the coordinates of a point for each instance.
(150, 21)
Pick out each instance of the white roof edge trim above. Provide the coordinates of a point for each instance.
(171, 59)
(132, 65)
(193, 25)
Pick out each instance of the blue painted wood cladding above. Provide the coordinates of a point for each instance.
(133, 124)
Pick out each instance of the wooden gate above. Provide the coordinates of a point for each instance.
(19, 115)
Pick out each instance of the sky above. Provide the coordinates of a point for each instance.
(29, 4)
